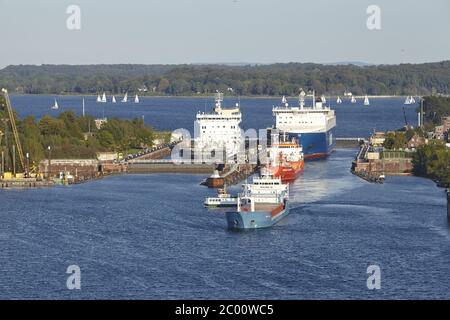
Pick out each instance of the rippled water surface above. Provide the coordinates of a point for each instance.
(148, 236)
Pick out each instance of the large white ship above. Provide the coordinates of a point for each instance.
(219, 130)
(312, 125)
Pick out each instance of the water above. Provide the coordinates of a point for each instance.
(148, 236)
(354, 120)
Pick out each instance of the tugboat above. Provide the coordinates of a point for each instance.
(261, 204)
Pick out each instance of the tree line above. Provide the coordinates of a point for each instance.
(70, 136)
(271, 80)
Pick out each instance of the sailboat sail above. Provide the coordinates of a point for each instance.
(125, 97)
(407, 100)
(99, 99)
(353, 99)
(113, 99)
(104, 97)
(366, 101)
(136, 99)
(55, 106)
(324, 100)
(338, 101)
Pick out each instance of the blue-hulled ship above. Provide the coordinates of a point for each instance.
(262, 204)
(312, 125)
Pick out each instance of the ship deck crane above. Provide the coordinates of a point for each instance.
(14, 128)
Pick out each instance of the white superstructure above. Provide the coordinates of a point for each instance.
(219, 130)
(265, 189)
(302, 119)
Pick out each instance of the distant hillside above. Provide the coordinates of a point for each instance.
(271, 79)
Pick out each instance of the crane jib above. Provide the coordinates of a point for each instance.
(12, 120)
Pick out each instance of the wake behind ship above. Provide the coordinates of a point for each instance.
(313, 126)
(262, 204)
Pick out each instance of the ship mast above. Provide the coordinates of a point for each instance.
(301, 98)
(219, 99)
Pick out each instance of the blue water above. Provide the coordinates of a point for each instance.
(353, 120)
(148, 236)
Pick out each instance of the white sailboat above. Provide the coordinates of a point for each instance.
(55, 106)
(83, 108)
(366, 100)
(338, 100)
(99, 99)
(103, 97)
(409, 100)
(353, 100)
(136, 99)
(125, 97)
(324, 100)
(113, 99)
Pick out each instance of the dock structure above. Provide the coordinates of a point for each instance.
(159, 152)
(24, 183)
(230, 175)
(349, 142)
(167, 166)
(373, 161)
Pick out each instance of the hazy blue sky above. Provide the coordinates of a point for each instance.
(192, 31)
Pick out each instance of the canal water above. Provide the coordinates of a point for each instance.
(148, 236)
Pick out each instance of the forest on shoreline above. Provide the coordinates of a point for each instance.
(243, 80)
(74, 137)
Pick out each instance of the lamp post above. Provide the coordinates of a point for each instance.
(49, 162)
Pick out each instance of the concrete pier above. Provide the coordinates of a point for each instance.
(24, 183)
(167, 166)
(349, 142)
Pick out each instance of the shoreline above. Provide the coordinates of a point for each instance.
(209, 96)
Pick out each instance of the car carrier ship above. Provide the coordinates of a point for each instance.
(313, 126)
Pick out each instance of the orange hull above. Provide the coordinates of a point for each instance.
(288, 171)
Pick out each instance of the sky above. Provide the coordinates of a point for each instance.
(223, 31)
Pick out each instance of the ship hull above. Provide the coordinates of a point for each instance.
(316, 145)
(255, 220)
(289, 173)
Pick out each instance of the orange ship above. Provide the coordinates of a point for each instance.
(286, 160)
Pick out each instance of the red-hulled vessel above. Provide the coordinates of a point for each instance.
(286, 160)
